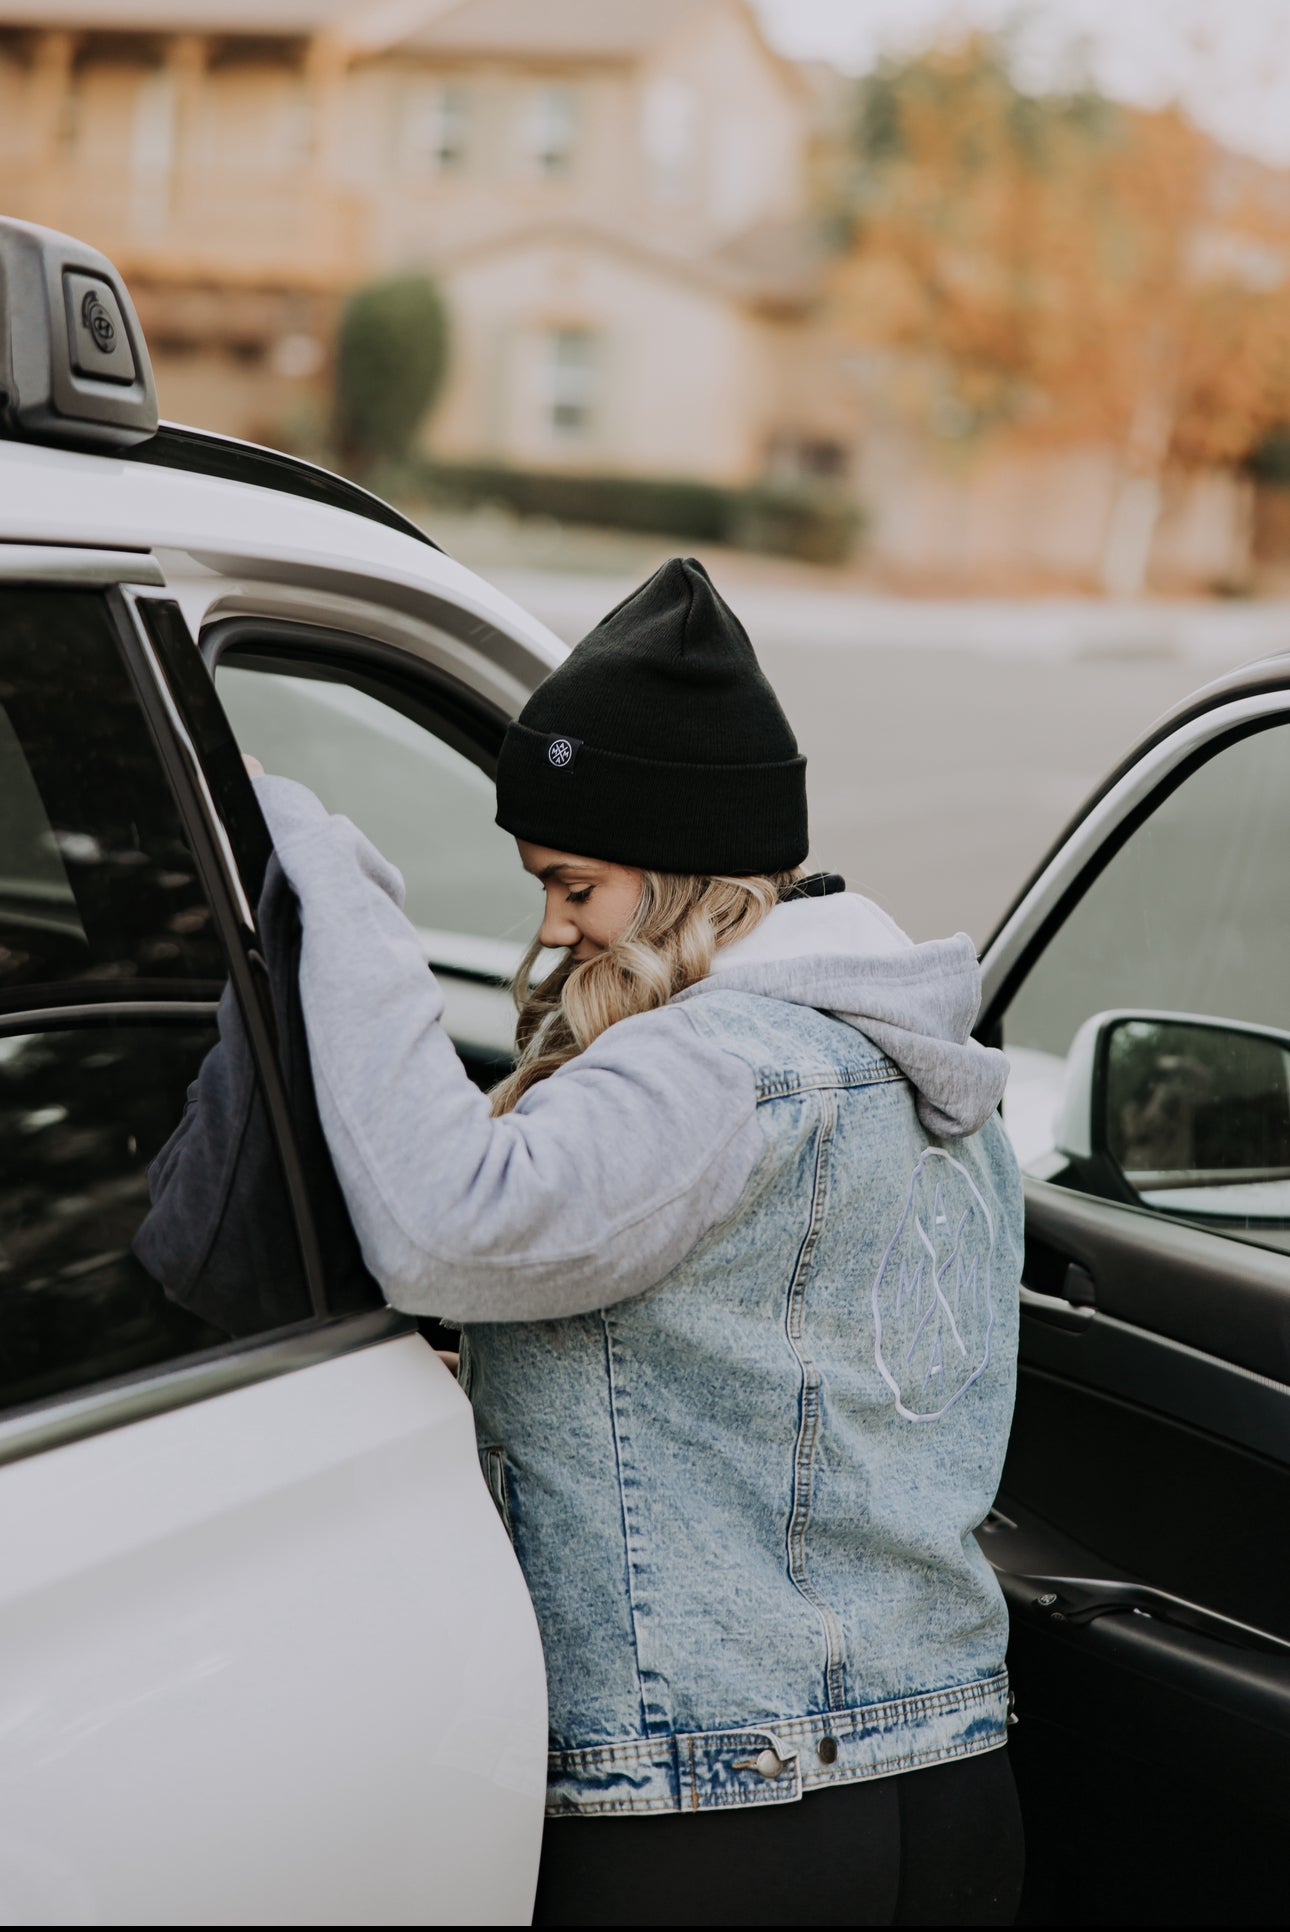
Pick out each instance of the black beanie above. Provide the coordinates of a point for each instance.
(659, 743)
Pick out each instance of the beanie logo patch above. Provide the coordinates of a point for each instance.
(561, 752)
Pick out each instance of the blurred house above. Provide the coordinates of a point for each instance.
(615, 197)
(612, 195)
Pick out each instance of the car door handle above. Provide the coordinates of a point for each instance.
(1072, 1601)
(1056, 1310)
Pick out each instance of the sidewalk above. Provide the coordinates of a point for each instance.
(1211, 635)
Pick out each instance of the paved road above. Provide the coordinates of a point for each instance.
(949, 743)
(939, 780)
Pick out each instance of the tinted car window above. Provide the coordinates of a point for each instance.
(103, 916)
(82, 1112)
(1150, 1041)
(97, 883)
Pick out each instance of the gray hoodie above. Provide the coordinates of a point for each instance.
(609, 1173)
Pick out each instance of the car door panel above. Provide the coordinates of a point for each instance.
(1224, 1298)
(1137, 1533)
(1165, 1805)
(273, 1659)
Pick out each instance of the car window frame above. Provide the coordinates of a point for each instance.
(152, 632)
(430, 698)
(1113, 817)
(462, 719)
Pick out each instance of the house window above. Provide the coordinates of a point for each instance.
(670, 128)
(553, 119)
(570, 381)
(152, 156)
(807, 459)
(436, 128)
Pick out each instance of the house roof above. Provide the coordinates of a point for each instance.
(575, 31)
(782, 263)
(271, 18)
(551, 29)
(778, 260)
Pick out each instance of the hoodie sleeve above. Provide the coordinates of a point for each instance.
(598, 1184)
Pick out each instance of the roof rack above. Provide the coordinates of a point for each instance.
(74, 369)
(202, 453)
(74, 365)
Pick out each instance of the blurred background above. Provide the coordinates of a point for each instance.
(955, 339)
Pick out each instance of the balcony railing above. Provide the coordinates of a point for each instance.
(295, 232)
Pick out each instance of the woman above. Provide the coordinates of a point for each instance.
(736, 1252)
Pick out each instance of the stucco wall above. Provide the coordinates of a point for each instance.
(679, 376)
(1042, 514)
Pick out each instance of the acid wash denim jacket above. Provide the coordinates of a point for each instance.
(739, 1295)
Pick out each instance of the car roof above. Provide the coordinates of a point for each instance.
(111, 499)
(1270, 672)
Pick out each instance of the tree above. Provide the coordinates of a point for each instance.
(1064, 269)
(391, 358)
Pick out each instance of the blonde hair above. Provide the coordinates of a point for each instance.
(667, 945)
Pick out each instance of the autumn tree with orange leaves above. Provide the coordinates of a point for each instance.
(1066, 270)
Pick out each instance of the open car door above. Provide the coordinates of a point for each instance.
(1141, 993)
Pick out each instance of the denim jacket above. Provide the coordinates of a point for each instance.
(745, 1501)
(739, 1287)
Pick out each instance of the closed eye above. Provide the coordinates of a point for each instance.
(580, 898)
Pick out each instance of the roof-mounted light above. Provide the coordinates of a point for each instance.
(74, 366)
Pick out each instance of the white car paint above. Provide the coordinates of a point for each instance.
(231, 548)
(270, 1659)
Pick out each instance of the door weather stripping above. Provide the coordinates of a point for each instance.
(83, 568)
(215, 823)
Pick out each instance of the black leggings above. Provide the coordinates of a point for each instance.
(935, 1847)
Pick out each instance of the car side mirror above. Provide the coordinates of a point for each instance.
(1181, 1113)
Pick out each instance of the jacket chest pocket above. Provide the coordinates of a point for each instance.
(497, 1476)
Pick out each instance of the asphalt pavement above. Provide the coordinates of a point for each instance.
(950, 742)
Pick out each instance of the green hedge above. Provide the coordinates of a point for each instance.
(816, 524)
(1270, 462)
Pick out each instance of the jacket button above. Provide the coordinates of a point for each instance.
(828, 1749)
(770, 1763)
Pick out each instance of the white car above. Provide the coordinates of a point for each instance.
(266, 1654)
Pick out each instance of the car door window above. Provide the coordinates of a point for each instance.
(111, 967)
(429, 808)
(97, 884)
(1150, 1039)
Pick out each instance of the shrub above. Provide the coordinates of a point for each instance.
(1270, 462)
(818, 524)
(391, 356)
(815, 523)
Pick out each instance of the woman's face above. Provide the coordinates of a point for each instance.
(589, 903)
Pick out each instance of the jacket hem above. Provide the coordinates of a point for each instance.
(780, 1761)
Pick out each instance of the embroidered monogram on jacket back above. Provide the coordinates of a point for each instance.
(932, 1307)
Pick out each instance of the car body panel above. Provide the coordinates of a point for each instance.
(266, 1653)
(230, 548)
(270, 1658)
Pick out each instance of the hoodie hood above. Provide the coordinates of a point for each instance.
(844, 956)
